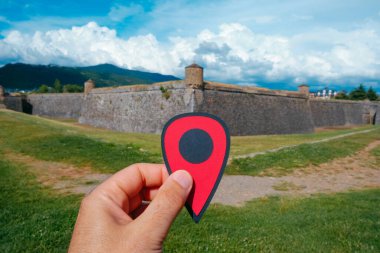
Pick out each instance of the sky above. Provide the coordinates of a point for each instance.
(273, 43)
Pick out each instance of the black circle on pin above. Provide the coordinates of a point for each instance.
(196, 146)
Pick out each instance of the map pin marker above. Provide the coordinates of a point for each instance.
(198, 143)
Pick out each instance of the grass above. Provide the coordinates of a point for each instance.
(345, 222)
(287, 186)
(286, 160)
(25, 124)
(48, 141)
(34, 219)
(376, 153)
(240, 145)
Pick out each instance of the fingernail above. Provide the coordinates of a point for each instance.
(183, 178)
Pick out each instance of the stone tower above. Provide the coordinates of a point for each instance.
(2, 95)
(194, 76)
(304, 89)
(2, 92)
(88, 86)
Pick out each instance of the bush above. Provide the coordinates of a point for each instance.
(72, 88)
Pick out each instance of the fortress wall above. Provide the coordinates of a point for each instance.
(135, 109)
(340, 113)
(64, 105)
(14, 103)
(250, 114)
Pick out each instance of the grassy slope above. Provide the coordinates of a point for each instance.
(46, 140)
(286, 160)
(109, 151)
(345, 222)
(33, 219)
(250, 144)
(151, 142)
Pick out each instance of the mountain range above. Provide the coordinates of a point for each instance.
(19, 76)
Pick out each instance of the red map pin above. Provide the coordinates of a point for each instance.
(198, 143)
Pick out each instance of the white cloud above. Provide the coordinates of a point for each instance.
(234, 53)
(120, 12)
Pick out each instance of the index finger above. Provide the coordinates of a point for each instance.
(129, 182)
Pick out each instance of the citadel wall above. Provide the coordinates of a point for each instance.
(340, 113)
(135, 108)
(148, 108)
(255, 111)
(246, 110)
(14, 103)
(64, 105)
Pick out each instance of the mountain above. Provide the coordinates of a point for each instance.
(29, 77)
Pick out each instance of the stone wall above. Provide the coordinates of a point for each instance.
(250, 113)
(65, 105)
(136, 108)
(340, 113)
(14, 103)
(246, 110)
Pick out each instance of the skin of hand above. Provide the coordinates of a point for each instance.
(113, 217)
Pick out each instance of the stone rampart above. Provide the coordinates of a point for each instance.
(340, 113)
(135, 108)
(246, 110)
(14, 103)
(254, 111)
(65, 105)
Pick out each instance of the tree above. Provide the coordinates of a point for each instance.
(341, 95)
(43, 89)
(72, 88)
(57, 86)
(358, 93)
(371, 94)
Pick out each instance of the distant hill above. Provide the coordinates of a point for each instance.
(28, 77)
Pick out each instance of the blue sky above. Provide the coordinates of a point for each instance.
(276, 44)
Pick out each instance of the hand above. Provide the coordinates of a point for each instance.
(112, 218)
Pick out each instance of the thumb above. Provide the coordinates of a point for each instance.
(162, 211)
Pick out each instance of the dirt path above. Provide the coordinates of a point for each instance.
(354, 172)
(63, 177)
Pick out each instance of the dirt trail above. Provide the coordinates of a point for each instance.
(354, 172)
(63, 177)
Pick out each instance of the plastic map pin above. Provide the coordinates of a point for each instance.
(198, 143)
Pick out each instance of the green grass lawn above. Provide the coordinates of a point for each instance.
(51, 141)
(286, 160)
(35, 219)
(241, 145)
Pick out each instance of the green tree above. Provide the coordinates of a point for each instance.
(72, 88)
(371, 94)
(358, 93)
(341, 95)
(57, 86)
(43, 89)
